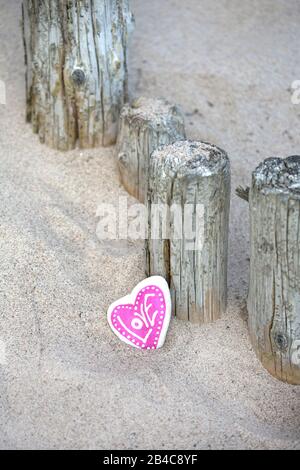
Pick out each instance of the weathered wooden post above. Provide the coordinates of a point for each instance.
(188, 204)
(76, 69)
(145, 125)
(274, 294)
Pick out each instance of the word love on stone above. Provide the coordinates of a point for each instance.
(142, 318)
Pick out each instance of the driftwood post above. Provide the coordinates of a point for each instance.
(145, 125)
(274, 294)
(76, 69)
(188, 204)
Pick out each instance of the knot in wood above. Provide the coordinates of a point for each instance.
(78, 76)
(281, 342)
(122, 157)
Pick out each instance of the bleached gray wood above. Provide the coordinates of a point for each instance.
(76, 69)
(145, 125)
(195, 177)
(274, 294)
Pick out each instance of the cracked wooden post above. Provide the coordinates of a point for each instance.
(76, 69)
(274, 293)
(145, 125)
(188, 210)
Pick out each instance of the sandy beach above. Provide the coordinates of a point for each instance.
(65, 380)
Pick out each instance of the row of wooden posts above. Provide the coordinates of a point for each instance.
(159, 166)
(76, 85)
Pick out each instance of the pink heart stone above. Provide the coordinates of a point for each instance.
(142, 318)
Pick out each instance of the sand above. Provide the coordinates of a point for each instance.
(67, 381)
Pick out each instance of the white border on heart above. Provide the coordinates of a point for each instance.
(130, 299)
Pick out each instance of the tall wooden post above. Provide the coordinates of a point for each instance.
(274, 293)
(76, 69)
(188, 203)
(145, 125)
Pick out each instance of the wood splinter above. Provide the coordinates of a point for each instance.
(145, 125)
(274, 293)
(188, 211)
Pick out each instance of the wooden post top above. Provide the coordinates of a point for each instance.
(155, 112)
(278, 175)
(192, 158)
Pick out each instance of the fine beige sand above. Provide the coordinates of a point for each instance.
(67, 381)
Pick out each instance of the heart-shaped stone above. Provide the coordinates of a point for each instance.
(142, 318)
